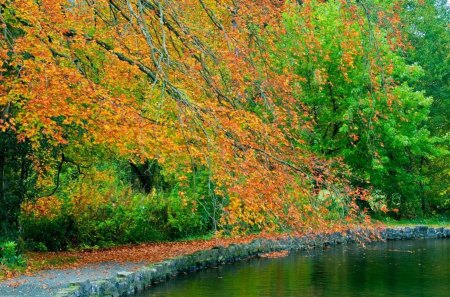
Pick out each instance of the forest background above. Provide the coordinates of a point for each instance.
(126, 121)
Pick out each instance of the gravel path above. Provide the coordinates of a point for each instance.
(48, 282)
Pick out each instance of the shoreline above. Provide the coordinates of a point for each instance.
(128, 283)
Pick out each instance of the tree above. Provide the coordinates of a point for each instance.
(354, 83)
(189, 84)
(427, 30)
(260, 95)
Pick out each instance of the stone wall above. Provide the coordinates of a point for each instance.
(129, 283)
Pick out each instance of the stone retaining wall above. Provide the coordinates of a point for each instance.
(129, 283)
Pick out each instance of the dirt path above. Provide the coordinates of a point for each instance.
(49, 272)
(48, 282)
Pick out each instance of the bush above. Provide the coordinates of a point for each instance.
(107, 210)
(9, 255)
(49, 233)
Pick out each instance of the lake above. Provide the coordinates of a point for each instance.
(393, 268)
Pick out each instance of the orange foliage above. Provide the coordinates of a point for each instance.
(174, 81)
(48, 207)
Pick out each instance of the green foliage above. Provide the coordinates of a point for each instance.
(44, 233)
(427, 30)
(107, 210)
(191, 209)
(369, 116)
(9, 255)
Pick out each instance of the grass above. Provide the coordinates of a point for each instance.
(437, 221)
(8, 272)
(55, 261)
(207, 236)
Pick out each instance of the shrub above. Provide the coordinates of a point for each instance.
(49, 233)
(104, 210)
(9, 255)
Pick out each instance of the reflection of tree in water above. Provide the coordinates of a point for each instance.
(319, 276)
(381, 269)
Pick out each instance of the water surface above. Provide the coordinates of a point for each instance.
(395, 268)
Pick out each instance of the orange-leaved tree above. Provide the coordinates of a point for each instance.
(187, 83)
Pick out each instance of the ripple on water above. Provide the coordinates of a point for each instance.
(394, 268)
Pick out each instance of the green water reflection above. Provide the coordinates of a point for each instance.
(401, 268)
